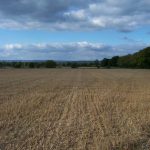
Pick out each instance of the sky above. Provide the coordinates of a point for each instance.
(72, 29)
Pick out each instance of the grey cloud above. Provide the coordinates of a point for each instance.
(66, 51)
(124, 15)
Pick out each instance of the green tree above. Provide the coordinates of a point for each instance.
(114, 61)
(74, 65)
(97, 63)
(105, 62)
(31, 65)
(16, 64)
(50, 64)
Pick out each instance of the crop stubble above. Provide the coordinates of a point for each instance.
(61, 109)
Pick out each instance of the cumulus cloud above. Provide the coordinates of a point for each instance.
(122, 15)
(65, 51)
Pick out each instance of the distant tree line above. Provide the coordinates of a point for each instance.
(45, 64)
(49, 64)
(77, 64)
(140, 59)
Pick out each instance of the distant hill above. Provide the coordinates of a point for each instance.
(139, 59)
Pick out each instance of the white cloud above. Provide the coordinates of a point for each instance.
(12, 46)
(98, 22)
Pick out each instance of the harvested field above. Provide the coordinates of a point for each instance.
(74, 109)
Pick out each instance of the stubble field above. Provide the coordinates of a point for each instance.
(74, 109)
